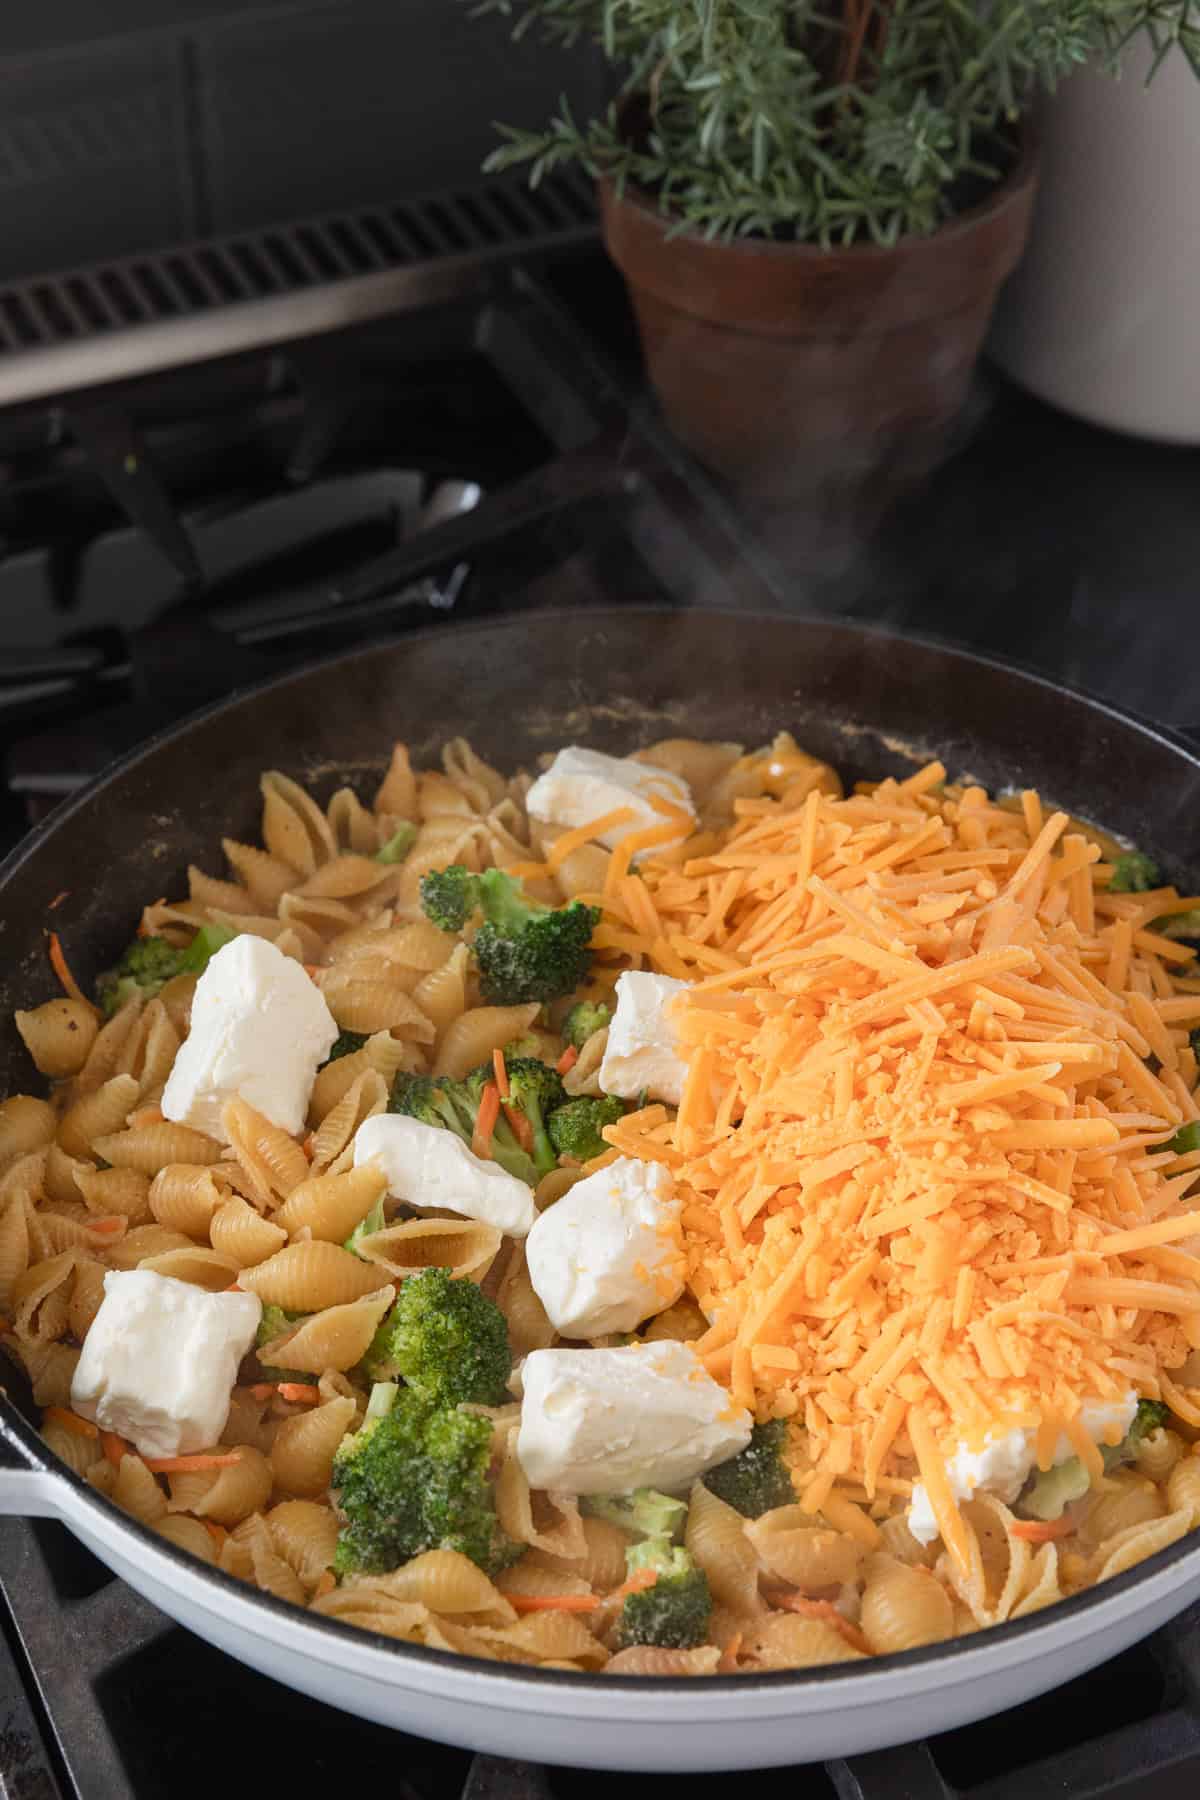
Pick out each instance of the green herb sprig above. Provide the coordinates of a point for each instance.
(872, 121)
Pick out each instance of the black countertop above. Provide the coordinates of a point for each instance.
(1042, 538)
(1050, 541)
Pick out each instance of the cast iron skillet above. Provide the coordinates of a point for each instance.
(868, 701)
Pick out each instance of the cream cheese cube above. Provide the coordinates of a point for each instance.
(160, 1360)
(1004, 1464)
(426, 1166)
(643, 1046)
(608, 1421)
(260, 1030)
(582, 785)
(608, 1254)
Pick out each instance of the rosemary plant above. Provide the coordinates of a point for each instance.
(873, 120)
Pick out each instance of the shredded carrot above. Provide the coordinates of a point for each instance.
(216, 1532)
(145, 1115)
(309, 1146)
(72, 1422)
(299, 1391)
(326, 1582)
(729, 1655)
(1043, 1531)
(568, 1603)
(112, 1222)
(58, 899)
(192, 1465)
(567, 1060)
(827, 1613)
(569, 841)
(262, 1390)
(485, 1121)
(67, 981)
(233, 1288)
(115, 1447)
(637, 1583)
(501, 1069)
(522, 1130)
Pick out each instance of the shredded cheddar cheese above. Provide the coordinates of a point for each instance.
(932, 1065)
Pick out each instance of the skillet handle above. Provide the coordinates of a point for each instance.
(27, 1491)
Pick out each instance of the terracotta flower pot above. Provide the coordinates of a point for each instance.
(789, 369)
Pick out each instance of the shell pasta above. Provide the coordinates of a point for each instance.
(899, 1085)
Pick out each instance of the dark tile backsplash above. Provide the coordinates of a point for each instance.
(93, 154)
(345, 103)
(127, 125)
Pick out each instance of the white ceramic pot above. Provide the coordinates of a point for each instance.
(616, 1722)
(1102, 317)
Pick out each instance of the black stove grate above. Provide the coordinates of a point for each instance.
(188, 303)
(295, 504)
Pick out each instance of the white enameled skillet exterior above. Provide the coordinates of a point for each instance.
(617, 1722)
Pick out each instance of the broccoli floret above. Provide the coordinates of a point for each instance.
(203, 947)
(757, 1478)
(547, 956)
(645, 1512)
(1150, 1416)
(674, 1613)
(1133, 873)
(273, 1324)
(375, 1221)
(506, 1151)
(414, 1478)
(1179, 925)
(449, 896)
(398, 845)
(529, 1045)
(454, 1105)
(1051, 1491)
(575, 1128)
(150, 962)
(585, 1018)
(147, 965)
(414, 1096)
(538, 1080)
(536, 1089)
(434, 1102)
(1184, 1141)
(345, 1044)
(525, 951)
(446, 1339)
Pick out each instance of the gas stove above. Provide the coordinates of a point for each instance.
(222, 462)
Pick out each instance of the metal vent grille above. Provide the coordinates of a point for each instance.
(116, 320)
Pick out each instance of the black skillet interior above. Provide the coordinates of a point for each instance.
(868, 701)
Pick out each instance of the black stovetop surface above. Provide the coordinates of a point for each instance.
(1069, 549)
(1042, 539)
